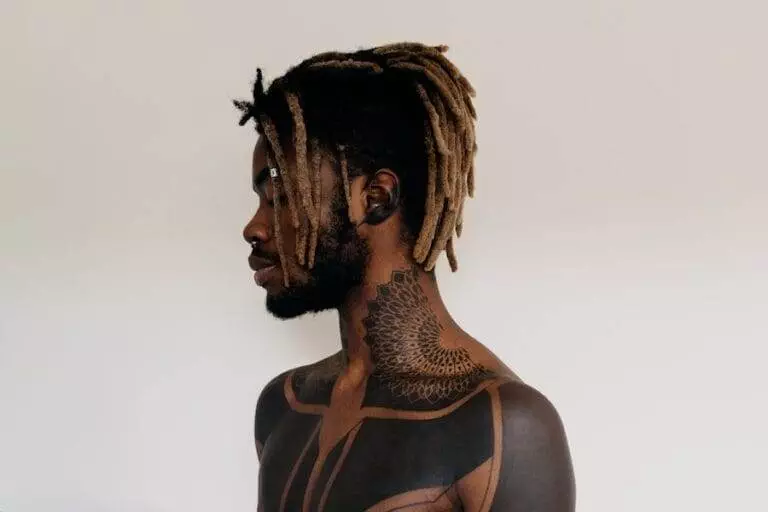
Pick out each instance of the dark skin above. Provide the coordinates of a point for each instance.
(413, 413)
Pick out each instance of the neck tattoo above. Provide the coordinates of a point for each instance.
(403, 334)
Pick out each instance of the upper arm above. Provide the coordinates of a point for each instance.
(532, 470)
(270, 408)
(536, 472)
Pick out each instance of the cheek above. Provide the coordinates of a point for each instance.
(287, 235)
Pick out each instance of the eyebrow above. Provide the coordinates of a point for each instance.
(260, 178)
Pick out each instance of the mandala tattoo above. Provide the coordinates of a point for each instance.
(403, 334)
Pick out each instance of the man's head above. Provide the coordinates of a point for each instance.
(361, 156)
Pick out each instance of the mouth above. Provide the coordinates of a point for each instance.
(263, 269)
(263, 275)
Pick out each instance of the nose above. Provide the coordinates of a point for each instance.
(257, 230)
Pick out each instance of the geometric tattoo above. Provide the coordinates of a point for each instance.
(404, 337)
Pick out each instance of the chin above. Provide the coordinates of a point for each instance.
(336, 272)
(288, 305)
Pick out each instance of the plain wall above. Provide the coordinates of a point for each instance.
(615, 255)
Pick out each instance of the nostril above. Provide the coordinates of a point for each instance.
(256, 233)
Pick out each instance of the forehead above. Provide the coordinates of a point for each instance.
(259, 166)
(259, 161)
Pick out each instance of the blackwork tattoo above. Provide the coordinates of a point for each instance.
(403, 334)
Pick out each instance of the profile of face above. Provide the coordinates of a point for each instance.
(341, 254)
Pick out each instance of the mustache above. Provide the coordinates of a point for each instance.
(260, 254)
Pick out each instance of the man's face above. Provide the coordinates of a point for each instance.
(340, 258)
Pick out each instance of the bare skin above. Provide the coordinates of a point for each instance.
(413, 413)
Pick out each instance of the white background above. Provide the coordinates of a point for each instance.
(615, 256)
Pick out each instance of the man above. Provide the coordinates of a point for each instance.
(362, 166)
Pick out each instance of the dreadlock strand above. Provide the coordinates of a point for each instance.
(471, 173)
(460, 221)
(467, 148)
(446, 84)
(316, 190)
(470, 107)
(446, 63)
(432, 64)
(400, 47)
(300, 143)
(447, 226)
(467, 85)
(279, 239)
(345, 179)
(468, 92)
(466, 166)
(433, 119)
(246, 108)
(333, 55)
(460, 214)
(301, 241)
(451, 252)
(258, 86)
(429, 224)
(434, 80)
(460, 190)
(456, 176)
(317, 157)
(312, 247)
(447, 163)
(411, 49)
(457, 194)
(250, 108)
(347, 64)
(278, 232)
(436, 64)
(274, 141)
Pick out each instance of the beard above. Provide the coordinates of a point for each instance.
(340, 262)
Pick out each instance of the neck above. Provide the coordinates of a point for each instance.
(395, 302)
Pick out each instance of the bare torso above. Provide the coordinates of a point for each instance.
(423, 418)
(374, 448)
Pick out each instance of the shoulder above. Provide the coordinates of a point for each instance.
(535, 471)
(270, 407)
(522, 402)
(273, 403)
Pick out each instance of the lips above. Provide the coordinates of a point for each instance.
(262, 275)
(263, 268)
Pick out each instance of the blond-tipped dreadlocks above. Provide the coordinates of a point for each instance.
(403, 106)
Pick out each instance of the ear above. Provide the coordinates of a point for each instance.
(382, 197)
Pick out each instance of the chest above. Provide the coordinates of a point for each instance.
(373, 464)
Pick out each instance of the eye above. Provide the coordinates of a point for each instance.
(266, 200)
(269, 199)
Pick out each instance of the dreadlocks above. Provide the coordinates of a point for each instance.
(403, 106)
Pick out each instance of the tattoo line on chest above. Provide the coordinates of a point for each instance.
(403, 334)
(487, 472)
